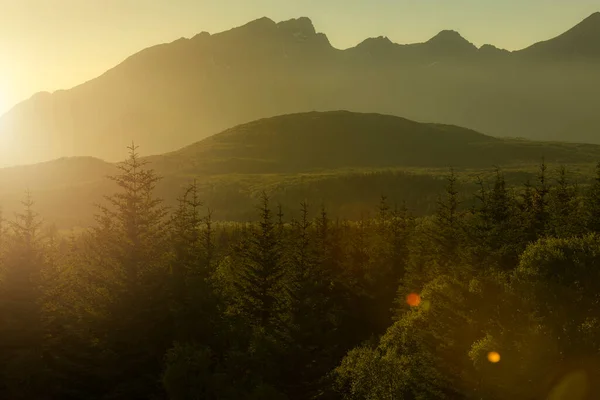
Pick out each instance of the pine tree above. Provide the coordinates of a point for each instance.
(186, 243)
(22, 287)
(383, 216)
(540, 203)
(564, 220)
(68, 321)
(259, 304)
(314, 319)
(447, 231)
(534, 215)
(192, 270)
(129, 274)
(260, 283)
(593, 204)
(208, 243)
(494, 233)
(401, 233)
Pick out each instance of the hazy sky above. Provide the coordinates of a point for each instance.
(56, 44)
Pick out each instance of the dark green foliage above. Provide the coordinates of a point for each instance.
(22, 328)
(127, 274)
(593, 204)
(439, 239)
(260, 292)
(495, 232)
(159, 304)
(188, 374)
(315, 309)
(447, 232)
(192, 267)
(566, 218)
(342, 159)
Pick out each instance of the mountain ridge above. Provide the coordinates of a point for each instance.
(266, 21)
(173, 94)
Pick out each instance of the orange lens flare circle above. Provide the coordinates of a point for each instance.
(493, 357)
(413, 300)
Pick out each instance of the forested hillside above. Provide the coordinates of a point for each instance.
(341, 159)
(492, 296)
(305, 142)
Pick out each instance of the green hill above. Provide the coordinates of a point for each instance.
(342, 159)
(331, 140)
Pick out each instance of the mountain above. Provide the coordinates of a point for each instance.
(339, 157)
(446, 45)
(580, 42)
(171, 95)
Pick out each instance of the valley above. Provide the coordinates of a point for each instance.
(342, 160)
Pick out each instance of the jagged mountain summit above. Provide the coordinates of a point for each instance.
(173, 94)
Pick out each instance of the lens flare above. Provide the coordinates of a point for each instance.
(493, 357)
(413, 300)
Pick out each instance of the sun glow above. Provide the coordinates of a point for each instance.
(4, 131)
(4, 107)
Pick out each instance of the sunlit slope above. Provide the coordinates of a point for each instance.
(171, 95)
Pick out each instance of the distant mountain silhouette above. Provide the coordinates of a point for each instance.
(445, 45)
(170, 95)
(581, 41)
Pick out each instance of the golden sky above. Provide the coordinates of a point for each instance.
(47, 45)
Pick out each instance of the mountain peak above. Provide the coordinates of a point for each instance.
(447, 35)
(450, 41)
(594, 17)
(375, 45)
(380, 39)
(202, 35)
(260, 25)
(375, 42)
(490, 48)
(302, 26)
(263, 21)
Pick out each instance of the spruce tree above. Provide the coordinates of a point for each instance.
(540, 203)
(494, 234)
(314, 346)
(563, 208)
(260, 283)
(447, 232)
(593, 203)
(186, 260)
(22, 331)
(129, 276)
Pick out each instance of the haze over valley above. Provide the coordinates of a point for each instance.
(329, 158)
